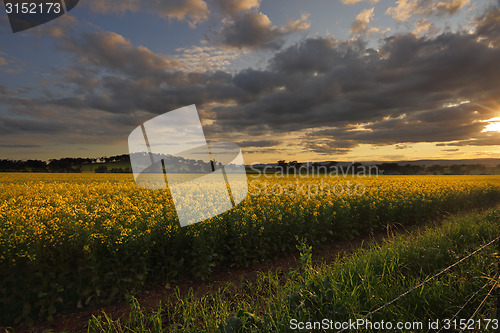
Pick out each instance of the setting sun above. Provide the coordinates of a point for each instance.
(493, 126)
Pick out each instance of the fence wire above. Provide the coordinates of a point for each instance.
(482, 303)
(368, 315)
(466, 303)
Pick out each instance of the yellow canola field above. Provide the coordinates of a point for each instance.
(73, 239)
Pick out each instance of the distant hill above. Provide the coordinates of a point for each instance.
(483, 166)
(483, 161)
(442, 162)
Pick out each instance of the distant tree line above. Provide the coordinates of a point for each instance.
(294, 167)
(113, 164)
(436, 169)
(180, 164)
(70, 165)
(177, 164)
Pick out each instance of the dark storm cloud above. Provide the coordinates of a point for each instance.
(141, 80)
(325, 83)
(312, 55)
(257, 82)
(158, 94)
(244, 26)
(254, 30)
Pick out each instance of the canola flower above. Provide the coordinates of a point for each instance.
(73, 239)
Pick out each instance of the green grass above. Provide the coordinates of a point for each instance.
(347, 288)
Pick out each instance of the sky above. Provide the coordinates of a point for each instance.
(317, 80)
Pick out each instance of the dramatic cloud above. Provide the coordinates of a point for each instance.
(327, 146)
(249, 28)
(489, 26)
(360, 25)
(233, 7)
(331, 95)
(484, 139)
(259, 143)
(112, 51)
(206, 58)
(436, 83)
(406, 8)
(83, 78)
(254, 30)
(430, 126)
(9, 64)
(193, 11)
(311, 55)
(57, 29)
(423, 26)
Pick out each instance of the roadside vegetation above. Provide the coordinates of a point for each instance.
(348, 288)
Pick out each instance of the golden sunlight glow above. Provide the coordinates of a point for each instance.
(493, 126)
